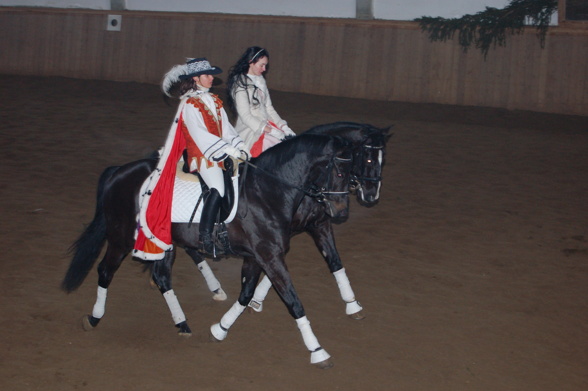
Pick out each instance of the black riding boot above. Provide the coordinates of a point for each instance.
(209, 215)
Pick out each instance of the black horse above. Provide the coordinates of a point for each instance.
(369, 151)
(369, 156)
(307, 167)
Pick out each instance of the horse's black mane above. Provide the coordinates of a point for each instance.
(321, 129)
(286, 151)
(348, 130)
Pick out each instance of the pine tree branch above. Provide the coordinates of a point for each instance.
(489, 28)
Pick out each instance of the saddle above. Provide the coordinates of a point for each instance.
(190, 193)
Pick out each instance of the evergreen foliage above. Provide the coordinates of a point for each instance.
(490, 27)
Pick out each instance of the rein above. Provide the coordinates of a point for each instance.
(313, 191)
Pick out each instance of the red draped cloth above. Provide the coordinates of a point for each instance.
(153, 236)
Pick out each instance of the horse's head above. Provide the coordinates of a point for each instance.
(313, 171)
(368, 162)
(331, 187)
(368, 156)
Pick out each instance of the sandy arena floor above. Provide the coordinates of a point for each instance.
(472, 269)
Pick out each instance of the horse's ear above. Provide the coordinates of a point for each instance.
(386, 133)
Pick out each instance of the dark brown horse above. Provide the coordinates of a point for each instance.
(369, 152)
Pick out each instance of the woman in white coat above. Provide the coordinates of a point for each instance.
(258, 123)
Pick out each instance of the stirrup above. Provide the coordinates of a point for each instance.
(223, 238)
(206, 245)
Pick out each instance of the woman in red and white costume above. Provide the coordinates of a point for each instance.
(258, 123)
(210, 137)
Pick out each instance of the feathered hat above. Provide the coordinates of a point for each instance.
(192, 67)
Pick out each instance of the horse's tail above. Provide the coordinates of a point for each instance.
(88, 246)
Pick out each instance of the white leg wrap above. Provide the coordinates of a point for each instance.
(260, 294)
(317, 354)
(211, 281)
(344, 285)
(99, 306)
(174, 306)
(347, 294)
(307, 335)
(220, 330)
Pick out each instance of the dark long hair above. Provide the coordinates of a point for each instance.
(179, 88)
(238, 73)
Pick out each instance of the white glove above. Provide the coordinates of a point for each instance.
(245, 153)
(243, 148)
(288, 131)
(232, 151)
(277, 134)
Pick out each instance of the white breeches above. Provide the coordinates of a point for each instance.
(213, 177)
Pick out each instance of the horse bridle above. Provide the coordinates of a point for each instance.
(357, 179)
(320, 194)
(313, 190)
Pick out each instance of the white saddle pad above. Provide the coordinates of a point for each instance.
(186, 195)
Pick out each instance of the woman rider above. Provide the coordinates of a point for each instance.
(210, 137)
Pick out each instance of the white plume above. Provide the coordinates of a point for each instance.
(173, 76)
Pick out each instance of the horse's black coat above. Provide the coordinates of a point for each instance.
(300, 185)
(261, 236)
(366, 173)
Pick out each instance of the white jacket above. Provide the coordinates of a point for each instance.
(251, 117)
(212, 147)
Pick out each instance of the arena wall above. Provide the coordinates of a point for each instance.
(370, 59)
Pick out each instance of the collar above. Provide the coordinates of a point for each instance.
(193, 93)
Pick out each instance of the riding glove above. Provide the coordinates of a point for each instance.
(232, 151)
(288, 131)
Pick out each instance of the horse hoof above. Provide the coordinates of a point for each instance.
(326, 364)
(219, 295)
(184, 330)
(357, 316)
(212, 338)
(321, 359)
(88, 324)
(217, 334)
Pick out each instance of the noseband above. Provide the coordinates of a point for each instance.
(357, 179)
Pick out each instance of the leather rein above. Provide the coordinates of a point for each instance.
(320, 194)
